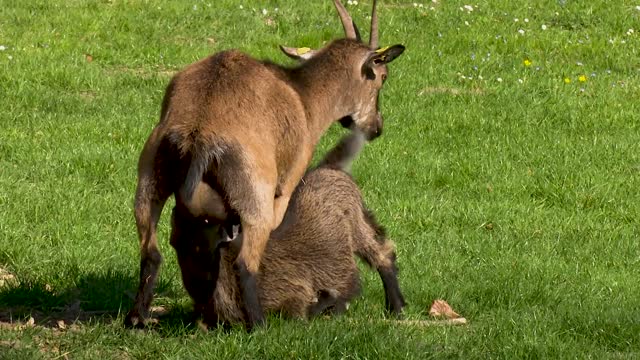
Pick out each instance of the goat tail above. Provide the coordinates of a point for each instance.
(342, 155)
(200, 163)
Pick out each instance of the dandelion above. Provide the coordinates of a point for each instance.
(521, 32)
(582, 78)
(543, 27)
(567, 80)
(527, 62)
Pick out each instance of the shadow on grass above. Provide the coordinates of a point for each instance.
(96, 298)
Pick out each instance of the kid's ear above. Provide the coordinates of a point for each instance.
(385, 55)
(300, 54)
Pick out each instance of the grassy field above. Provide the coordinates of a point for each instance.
(508, 176)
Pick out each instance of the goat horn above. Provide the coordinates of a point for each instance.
(373, 39)
(347, 23)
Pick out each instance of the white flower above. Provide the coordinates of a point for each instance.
(276, 9)
(543, 27)
(526, 20)
(9, 57)
(466, 23)
(521, 32)
(264, 12)
(515, 20)
(520, 81)
(469, 8)
(579, 63)
(2, 48)
(630, 32)
(638, 7)
(195, 7)
(414, 4)
(499, 79)
(241, 7)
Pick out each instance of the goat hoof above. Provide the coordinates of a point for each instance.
(133, 320)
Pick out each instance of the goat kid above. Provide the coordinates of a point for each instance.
(248, 128)
(308, 266)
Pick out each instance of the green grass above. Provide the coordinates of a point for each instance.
(509, 192)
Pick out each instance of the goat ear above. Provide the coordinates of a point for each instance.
(300, 54)
(385, 55)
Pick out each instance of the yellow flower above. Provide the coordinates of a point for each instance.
(567, 80)
(527, 62)
(582, 78)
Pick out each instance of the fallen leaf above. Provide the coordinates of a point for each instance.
(441, 308)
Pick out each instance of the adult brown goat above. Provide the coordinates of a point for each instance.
(248, 129)
(308, 266)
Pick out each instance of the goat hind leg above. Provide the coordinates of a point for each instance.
(150, 200)
(254, 240)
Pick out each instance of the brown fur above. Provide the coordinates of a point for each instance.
(309, 257)
(248, 130)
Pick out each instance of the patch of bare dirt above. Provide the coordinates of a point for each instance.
(429, 90)
(6, 278)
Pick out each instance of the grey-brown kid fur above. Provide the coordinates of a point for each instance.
(308, 266)
(247, 129)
